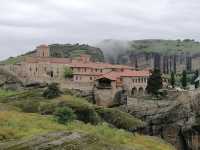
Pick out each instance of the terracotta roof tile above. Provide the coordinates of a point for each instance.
(126, 73)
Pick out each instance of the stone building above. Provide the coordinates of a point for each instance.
(86, 75)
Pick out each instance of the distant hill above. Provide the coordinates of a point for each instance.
(166, 55)
(167, 47)
(63, 51)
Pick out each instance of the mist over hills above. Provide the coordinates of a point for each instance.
(113, 49)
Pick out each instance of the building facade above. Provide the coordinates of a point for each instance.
(85, 73)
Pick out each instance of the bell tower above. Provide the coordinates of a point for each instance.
(43, 51)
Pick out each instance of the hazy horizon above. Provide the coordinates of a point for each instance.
(26, 24)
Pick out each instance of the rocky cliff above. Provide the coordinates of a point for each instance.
(167, 55)
(9, 81)
(178, 121)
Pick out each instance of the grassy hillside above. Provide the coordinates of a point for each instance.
(63, 50)
(69, 51)
(18, 123)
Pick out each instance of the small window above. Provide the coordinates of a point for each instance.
(101, 70)
(91, 78)
(96, 70)
(76, 77)
(51, 74)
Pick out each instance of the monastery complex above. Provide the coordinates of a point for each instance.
(86, 75)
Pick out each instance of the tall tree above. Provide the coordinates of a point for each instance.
(184, 79)
(155, 82)
(172, 80)
(196, 75)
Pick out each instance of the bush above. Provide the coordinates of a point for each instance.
(84, 112)
(29, 106)
(120, 119)
(52, 91)
(64, 115)
(68, 73)
(47, 108)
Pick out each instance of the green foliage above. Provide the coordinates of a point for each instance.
(195, 77)
(68, 73)
(84, 111)
(28, 106)
(119, 119)
(155, 82)
(64, 115)
(184, 79)
(15, 125)
(167, 47)
(52, 91)
(47, 108)
(172, 79)
(69, 51)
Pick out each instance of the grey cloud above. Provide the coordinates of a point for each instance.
(27, 23)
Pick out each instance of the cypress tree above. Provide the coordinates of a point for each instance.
(172, 79)
(195, 77)
(184, 79)
(155, 82)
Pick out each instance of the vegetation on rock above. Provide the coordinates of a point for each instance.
(52, 91)
(64, 115)
(21, 126)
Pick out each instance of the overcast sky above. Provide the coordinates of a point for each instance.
(25, 24)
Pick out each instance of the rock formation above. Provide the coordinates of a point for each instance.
(175, 121)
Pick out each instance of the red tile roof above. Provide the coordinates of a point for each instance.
(98, 65)
(69, 62)
(126, 73)
(134, 73)
(111, 75)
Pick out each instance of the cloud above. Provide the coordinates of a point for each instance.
(25, 24)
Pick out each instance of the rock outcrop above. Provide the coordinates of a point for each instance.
(177, 122)
(9, 81)
(61, 141)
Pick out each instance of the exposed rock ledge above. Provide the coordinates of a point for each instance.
(60, 141)
(178, 122)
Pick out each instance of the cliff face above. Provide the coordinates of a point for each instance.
(178, 121)
(167, 55)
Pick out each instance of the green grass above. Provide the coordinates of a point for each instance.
(120, 119)
(33, 102)
(16, 125)
(7, 93)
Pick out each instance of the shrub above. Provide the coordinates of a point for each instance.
(47, 108)
(52, 91)
(29, 106)
(64, 114)
(83, 111)
(68, 73)
(120, 119)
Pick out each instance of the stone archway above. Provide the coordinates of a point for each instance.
(141, 91)
(134, 91)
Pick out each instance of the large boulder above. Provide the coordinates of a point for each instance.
(9, 80)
